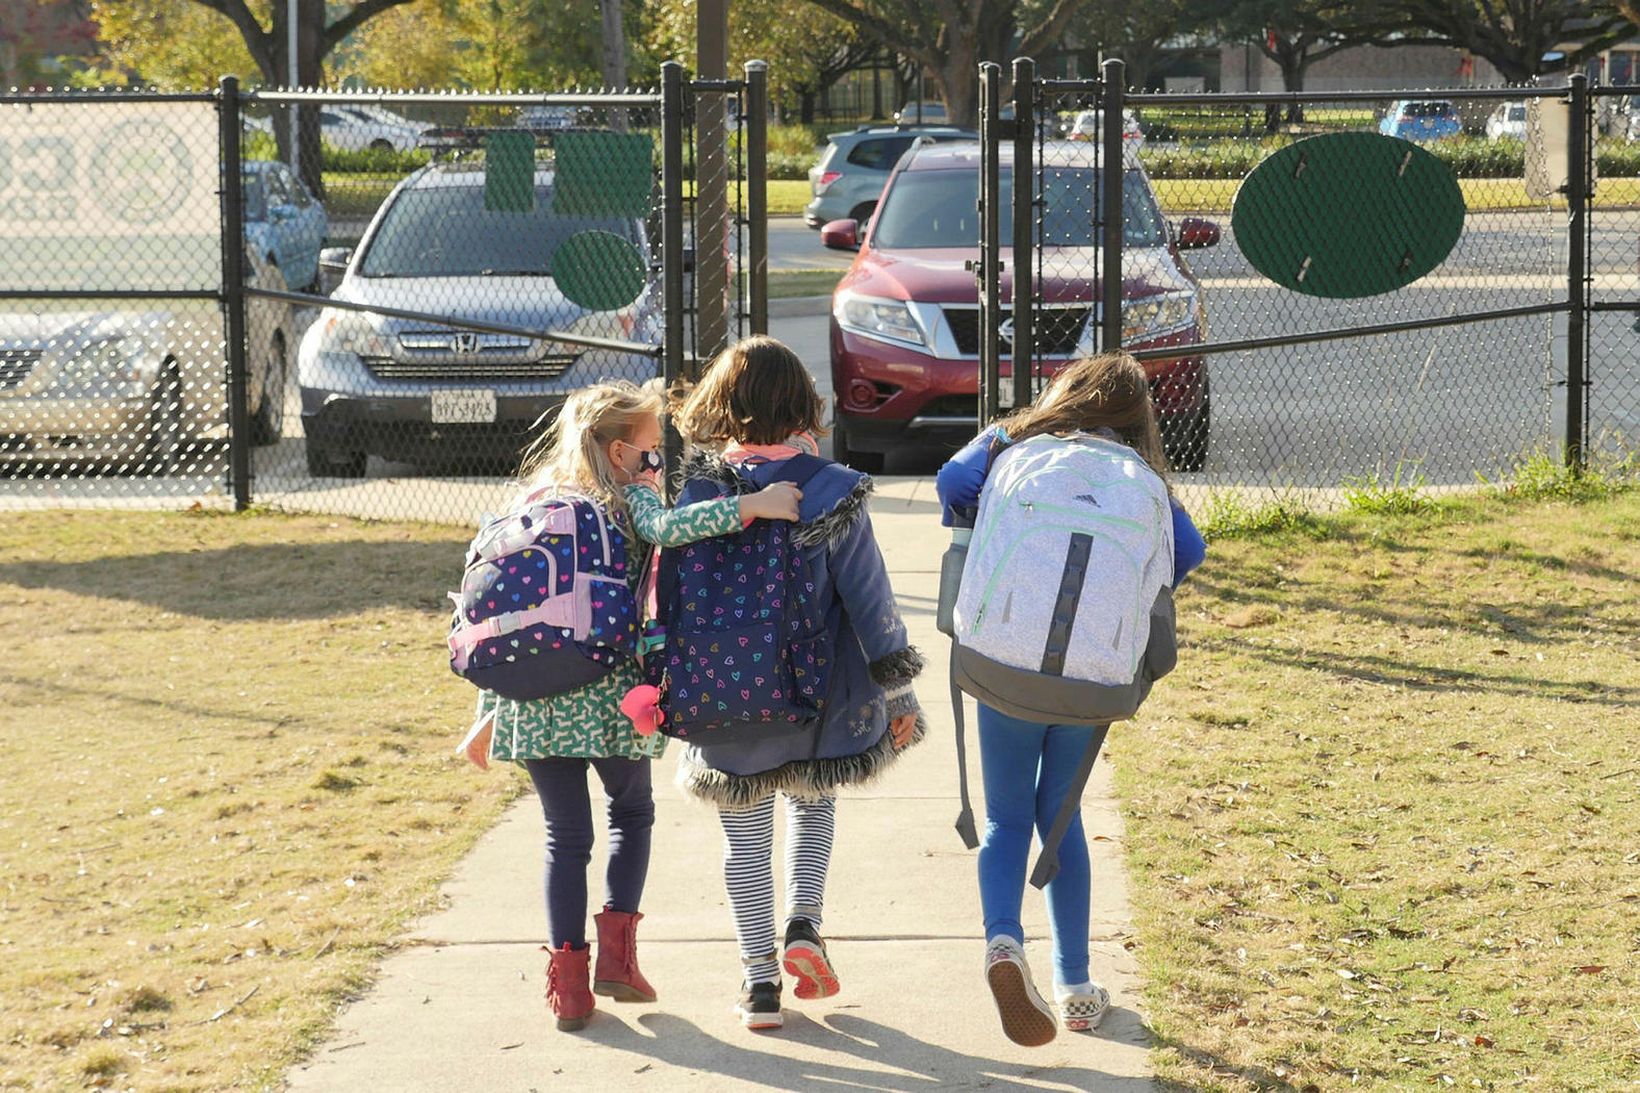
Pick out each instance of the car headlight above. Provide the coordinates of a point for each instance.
(350, 332)
(1156, 315)
(102, 367)
(879, 318)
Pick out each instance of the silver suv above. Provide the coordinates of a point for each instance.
(420, 391)
(855, 166)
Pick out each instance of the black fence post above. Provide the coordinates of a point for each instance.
(756, 182)
(1113, 168)
(233, 294)
(1578, 155)
(990, 239)
(672, 131)
(1024, 214)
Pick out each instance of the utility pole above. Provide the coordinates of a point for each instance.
(711, 180)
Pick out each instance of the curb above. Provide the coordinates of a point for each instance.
(798, 307)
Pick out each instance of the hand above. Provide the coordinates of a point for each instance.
(777, 501)
(902, 728)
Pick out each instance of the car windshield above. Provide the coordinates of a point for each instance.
(1517, 113)
(256, 198)
(445, 231)
(937, 209)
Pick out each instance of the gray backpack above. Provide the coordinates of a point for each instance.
(1060, 604)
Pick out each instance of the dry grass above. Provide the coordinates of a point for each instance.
(1385, 821)
(228, 785)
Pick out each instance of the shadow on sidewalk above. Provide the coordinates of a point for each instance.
(900, 1062)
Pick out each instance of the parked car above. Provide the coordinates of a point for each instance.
(905, 330)
(354, 128)
(547, 118)
(1507, 122)
(283, 221)
(926, 112)
(1421, 119)
(428, 392)
(852, 169)
(137, 390)
(1090, 125)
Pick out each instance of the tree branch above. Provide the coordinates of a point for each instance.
(876, 26)
(356, 16)
(258, 40)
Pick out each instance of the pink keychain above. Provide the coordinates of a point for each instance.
(642, 705)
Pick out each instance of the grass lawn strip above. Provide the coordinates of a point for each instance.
(1382, 821)
(229, 785)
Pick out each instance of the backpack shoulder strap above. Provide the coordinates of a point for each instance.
(1047, 862)
(800, 468)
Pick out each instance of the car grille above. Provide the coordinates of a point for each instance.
(1059, 329)
(16, 364)
(548, 367)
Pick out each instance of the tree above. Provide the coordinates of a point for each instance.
(950, 38)
(1137, 33)
(1295, 34)
(1522, 38)
(487, 45)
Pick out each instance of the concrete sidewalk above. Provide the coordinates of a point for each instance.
(461, 1007)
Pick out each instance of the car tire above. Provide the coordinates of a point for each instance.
(862, 212)
(163, 429)
(865, 462)
(381, 144)
(1187, 442)
(268, 423)
(322, 462)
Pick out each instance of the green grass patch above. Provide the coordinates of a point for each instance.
(804, 282)
(1541, 477)
(1400, 494)
(205, 847)
(1229, 514)
(1381, 822)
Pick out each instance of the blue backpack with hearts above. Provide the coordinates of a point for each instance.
(746, 643)
(544, 605)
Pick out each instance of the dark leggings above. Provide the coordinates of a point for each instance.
(561, 784)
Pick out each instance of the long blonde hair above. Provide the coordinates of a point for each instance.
(573, 452)
(1109, 391)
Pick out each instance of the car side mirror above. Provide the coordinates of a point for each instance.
(333, 263)
(1196, 233)
(841, 235)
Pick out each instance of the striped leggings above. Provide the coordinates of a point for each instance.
(748, 874)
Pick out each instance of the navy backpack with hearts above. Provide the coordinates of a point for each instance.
(746, 645)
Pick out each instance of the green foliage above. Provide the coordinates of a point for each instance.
(1230, 515)
(1542, 477)
(1402, 494)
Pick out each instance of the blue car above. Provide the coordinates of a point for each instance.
(1421, 119)
(283, 222)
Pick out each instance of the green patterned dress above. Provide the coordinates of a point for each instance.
(587, 723)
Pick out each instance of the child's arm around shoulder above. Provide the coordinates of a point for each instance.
(960, 481)
(653, 522)
(1189, 548)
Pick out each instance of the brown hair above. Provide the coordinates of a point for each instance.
(1109, 391)
(756, 392)
(572, 452)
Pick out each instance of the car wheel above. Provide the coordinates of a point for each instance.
(324, 463)
(861, 213)
(268, 425)
(381, 144)
(865, 462)
(162, 449)
(1186, 442)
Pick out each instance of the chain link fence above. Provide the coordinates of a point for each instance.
(1613, 247)
(423, 279)
(1316, 302)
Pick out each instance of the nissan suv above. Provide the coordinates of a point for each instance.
(905, 330)
(851, 172)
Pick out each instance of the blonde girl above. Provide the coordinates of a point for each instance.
(603, 446)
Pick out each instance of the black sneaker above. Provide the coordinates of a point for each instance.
(759, 1005)
(805, 959)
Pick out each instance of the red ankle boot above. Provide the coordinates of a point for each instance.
(567, 993)
(618, 976)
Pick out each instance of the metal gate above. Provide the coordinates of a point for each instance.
(1489, 358)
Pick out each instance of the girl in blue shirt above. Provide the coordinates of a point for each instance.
(1027, 766)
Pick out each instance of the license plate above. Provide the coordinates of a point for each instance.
(463, 407)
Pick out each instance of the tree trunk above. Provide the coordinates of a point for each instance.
(805, 107)
(614, 42)
(958, 78)
(1294, 63)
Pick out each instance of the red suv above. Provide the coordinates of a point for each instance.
(905, 328)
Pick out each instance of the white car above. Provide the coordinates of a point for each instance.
(353, 128)
(928, 112)
(1090, 124)
(1507, 122)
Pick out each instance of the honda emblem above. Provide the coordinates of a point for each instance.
(464, 342)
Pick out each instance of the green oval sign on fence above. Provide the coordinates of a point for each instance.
(599, 270)
(1348, 214)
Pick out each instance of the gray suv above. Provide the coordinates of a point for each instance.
(855, 165)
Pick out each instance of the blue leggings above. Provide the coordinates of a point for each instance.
(1028, 768)
(561, 784)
